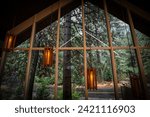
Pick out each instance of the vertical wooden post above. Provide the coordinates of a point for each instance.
(2, 63)
(84, 48)
(111, 52)
(29, 58)
(138, 55)
(57, 51)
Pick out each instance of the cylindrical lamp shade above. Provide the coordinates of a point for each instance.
(48, 56)
(10, 41)
(91, 78)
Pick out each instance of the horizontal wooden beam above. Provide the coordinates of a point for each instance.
(71, 48)
(144, 47)
(64, 48)
(88, 48)
(39, 16)
(134, 9)
(123, 47)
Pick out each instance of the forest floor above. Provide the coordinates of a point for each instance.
(105, 91)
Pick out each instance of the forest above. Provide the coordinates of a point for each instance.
(71, 65)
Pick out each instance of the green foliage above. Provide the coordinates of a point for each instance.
(60, 94)
(43, 89)
(19, 90)
(75, 95)
(108, 75)
(42, 93)
(44, 80)
(146, 62)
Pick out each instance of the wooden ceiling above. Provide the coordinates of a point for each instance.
(13, 12)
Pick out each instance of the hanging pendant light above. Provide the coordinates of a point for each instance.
(9, 42)
(48, 56)
(91, 78)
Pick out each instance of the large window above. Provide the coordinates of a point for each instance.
(71, 57)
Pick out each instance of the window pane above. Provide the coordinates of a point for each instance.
(146, 63)
(100, 59)
(95, 25)
(127, 67)
(121, 34)
(14, 75)
(71, 29)
(143, 40)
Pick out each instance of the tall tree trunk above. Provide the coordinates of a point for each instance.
(98, 54)
(67, 95)
(33, 70)
(100, 77)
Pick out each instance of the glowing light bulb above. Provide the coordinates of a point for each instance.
(10, 40)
